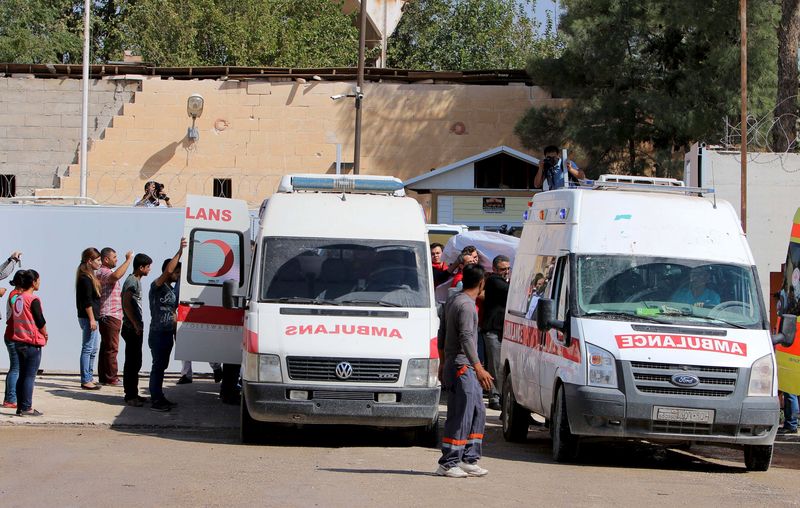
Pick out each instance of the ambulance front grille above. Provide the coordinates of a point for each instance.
(364, 370)
(656, 378)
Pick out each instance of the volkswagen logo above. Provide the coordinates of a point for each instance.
(344, 370)
(684, 380)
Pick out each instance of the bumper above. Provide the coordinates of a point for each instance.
(602, 412)
(269, 402)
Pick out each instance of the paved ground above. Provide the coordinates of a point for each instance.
(90, 449)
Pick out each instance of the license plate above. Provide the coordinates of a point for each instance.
(679, 414)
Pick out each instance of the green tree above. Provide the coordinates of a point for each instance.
(39, 31)
(283, 33)
(467, 34)
(646, 78)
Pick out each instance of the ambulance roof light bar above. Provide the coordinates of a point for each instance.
(367, 184)
(643, 184)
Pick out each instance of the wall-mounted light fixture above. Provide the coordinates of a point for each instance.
(194, 108)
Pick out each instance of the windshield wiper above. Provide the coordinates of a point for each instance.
(370, 302)
(301, 299)
(719, 322)
(623, 316)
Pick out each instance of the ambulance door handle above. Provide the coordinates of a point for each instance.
(193, 303)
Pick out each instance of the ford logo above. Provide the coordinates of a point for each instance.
(684, 380)
(344, 370)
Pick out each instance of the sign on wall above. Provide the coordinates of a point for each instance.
(494, 205)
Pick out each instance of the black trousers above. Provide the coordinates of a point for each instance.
(133, 362)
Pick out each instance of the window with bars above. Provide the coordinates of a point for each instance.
(8, 186)
(223, 188)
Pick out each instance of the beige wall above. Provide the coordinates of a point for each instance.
(255, 132)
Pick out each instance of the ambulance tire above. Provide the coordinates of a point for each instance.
(250, 430)
(565, 443)
(429, 436)
(515, 418)
(757, 457)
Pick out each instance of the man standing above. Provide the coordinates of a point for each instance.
(552, 170)
(163, 319)
(110, 320)
(133, 329)
(463, 378)
(440, 273)
(494, 310)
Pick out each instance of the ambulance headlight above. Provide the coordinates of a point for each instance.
(422, 372)
(262, 368)
(761, 377)
(602, 367)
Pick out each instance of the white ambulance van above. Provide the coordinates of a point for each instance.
(337, 321)
(635, 312)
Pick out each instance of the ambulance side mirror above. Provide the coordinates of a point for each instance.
(546, 315)
(788, 329)
(231, 299)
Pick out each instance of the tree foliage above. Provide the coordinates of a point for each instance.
(646, 78)
(467, 34)
(281, 33)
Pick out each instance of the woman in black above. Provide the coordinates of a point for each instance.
(87, 300)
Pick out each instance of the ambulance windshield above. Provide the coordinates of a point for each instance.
(347, 272)
(673, 291)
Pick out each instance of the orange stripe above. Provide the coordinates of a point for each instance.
(456, 442)
(796, 230)
(475, 436)
(463, 370)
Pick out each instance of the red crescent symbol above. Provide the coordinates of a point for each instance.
(227, 264)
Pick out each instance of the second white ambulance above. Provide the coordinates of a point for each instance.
(635, 312)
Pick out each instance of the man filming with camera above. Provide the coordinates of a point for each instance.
(153, 196)
(550, 168)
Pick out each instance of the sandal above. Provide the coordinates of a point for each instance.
(90, 386)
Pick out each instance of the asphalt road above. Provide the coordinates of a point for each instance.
(147, 465)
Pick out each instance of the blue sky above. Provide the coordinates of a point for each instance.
(542, 7)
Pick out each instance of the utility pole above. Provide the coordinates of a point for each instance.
(743, 72)
(85, 108)
(359, 87)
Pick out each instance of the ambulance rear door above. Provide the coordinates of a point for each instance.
(218, 232)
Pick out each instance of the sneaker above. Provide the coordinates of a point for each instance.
(453, 472)
(786, 430)
(161, 406)
(171, 404)
(473, 469)
(184, 380)
(135, 402)
(29, 412)
(217, 375)
(495, 404)
(12, 405)
(142, 399)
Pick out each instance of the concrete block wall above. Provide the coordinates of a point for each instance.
(254, 132)
(40, 122)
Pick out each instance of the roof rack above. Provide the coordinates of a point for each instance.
(56, 200)
(643, 184)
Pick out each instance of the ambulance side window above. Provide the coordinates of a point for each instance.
(214, 257)
(563, 289)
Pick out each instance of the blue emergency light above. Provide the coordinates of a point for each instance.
(346, 184)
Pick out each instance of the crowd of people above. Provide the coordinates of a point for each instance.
(106, 307)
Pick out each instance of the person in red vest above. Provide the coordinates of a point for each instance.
(30, 335)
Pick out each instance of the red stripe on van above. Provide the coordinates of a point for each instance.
(210, 315)
(529, 336)
(250, 341)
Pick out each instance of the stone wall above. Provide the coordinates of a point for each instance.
(40, 125)
(253, 132)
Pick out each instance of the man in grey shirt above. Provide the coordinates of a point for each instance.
(464, 379)
(133, 329)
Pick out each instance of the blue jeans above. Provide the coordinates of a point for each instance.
(13, 373)
(90, 343)
(30, 357)
(790, 410)
(160, 342)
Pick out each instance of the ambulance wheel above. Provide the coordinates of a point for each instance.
(757, 457)
(429, 436)
(565, 443)
(515, 418)
(249, 429)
